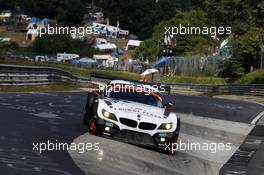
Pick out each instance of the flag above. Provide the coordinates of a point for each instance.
(215, 37)
(169, 40)
(165, 40)
(117, 24)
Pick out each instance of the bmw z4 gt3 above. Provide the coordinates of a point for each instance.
(134, 115)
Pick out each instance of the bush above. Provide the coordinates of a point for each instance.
(53, 44)
(256, 77)
(231, 68)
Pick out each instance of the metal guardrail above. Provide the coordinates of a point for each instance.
(58, 75)
(38, 69)
(251, 89)
(30, 75)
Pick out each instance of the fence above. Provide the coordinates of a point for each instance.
(186, 66)
(190, 66)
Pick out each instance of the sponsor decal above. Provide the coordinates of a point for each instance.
(138, 111)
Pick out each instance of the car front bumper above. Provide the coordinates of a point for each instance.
(158, 140)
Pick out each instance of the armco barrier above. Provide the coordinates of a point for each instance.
(58, 75)
(27, 75)
(252, 89)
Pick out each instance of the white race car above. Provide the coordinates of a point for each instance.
(132, 112)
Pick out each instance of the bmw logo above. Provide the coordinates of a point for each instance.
(138, 117)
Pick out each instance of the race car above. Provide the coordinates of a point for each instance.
(133, 112)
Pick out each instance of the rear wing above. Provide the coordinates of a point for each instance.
(108, 78)
(161, 88)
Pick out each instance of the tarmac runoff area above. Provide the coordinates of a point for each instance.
(115, 157)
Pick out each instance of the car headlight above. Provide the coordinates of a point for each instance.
(165, 126)
(109, 115)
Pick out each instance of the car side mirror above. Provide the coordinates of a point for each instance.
(169, 106)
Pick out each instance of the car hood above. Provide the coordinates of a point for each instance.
(134, 111)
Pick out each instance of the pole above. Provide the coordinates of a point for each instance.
(261, 61)
(261, 58)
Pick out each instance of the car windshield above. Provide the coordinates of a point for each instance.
(140, 97)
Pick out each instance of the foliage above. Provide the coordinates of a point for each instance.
(193, 80)
(78, 71)
(53, 44)
(256, 77)
(231, 68)
(60, 87)
(6, 47)
(71, 12)
(67, 12)
(147, 50)
(186, 44)
(140, 16)
(247, 48)
(247, 31)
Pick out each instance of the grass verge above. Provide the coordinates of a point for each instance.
(77, 70)
(193, 80)
(256, 77)
(66, 86)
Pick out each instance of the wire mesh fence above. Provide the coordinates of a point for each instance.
(191, 66)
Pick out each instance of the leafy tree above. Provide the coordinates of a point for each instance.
(247, 48)
(231, 68)
(6, 47)
(185, 44)
(53, 44)
(138, 16)
(246, 17)
(71, 12)
(67, 12)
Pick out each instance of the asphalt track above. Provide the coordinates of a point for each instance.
(28, 118)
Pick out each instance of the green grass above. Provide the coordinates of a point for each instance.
(40, 88)
(58, 87)
(119, 74)
(78, 71)
(65, 67)
(256, 77)
(193, 80)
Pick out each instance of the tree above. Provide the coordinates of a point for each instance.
(71, 12)
(247, 48)
(6, 47)
(67, 12)
(53, 44)
(247, 29)
(139, 16)
(185, 44)
(231, 68)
